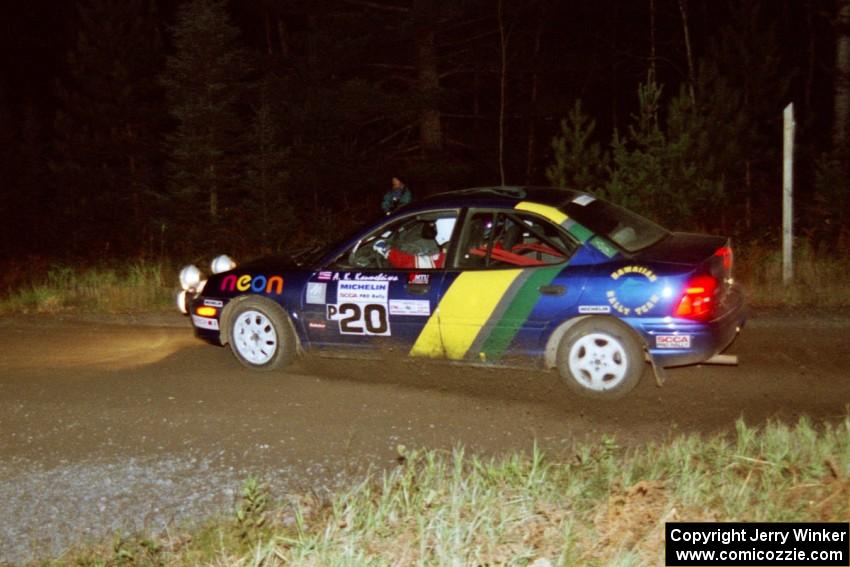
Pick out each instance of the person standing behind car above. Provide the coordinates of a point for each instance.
(398, 196)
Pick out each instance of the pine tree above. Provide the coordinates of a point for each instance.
(829, 214)
(204, 80)
(666, 173)
(107, 128)
(637, 179)
(10, 201)
(579, 162)
(742, 86)
(34, 205)
(267, 207)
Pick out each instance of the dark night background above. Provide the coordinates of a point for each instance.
(142, 129)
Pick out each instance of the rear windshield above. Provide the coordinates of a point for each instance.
(628, 230)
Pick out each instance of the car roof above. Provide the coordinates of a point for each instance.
(502, 196)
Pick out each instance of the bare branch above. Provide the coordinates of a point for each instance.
(406, 150)
(683, 9)
(492, 118)
(390, 66)
(503, 45)
(482, 35)
(457, 143)
(386, 139)
(378, 6)
(456, 71)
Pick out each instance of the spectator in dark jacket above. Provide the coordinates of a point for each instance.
(398, 196)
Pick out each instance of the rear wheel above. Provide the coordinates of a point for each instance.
(261, 335)
(600, 358)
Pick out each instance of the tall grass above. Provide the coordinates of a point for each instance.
(134, 287)
(821, 278)
(601, 504)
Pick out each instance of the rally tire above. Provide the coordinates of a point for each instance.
(600, 358)
(260, 334)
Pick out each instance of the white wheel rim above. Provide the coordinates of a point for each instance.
(254, 337)
(598, 362)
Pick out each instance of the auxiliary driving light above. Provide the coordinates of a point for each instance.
(190, 277)
(222, 263)
(181, 302)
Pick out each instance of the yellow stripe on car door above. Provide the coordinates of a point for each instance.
(465, 308)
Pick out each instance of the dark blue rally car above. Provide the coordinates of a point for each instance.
(505, 275)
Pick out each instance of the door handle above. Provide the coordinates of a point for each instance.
(552, 289)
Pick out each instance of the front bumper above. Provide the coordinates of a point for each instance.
(206, 328)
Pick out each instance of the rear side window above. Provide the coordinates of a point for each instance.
(628, 230)
(494, 240)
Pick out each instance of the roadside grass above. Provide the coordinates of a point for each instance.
(132, 287)
(38, 287)
(820, 277)
(600, 504)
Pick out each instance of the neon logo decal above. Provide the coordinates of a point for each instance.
(256, 284)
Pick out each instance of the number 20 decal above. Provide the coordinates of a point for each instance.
(360, 319)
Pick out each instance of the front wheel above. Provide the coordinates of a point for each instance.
(261, 336)
(600, 358)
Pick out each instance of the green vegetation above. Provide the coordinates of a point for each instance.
(601, 504)
(203, 79)
(820, 278)
(664, 166)
(136, 287)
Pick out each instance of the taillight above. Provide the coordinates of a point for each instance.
(698, 300)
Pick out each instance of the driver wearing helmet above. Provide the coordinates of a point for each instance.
(435, 232)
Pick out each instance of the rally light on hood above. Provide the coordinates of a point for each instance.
(190, 277)
(222, 263)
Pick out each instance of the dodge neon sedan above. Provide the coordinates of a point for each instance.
(552, 278)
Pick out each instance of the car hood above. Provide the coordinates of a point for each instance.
(682, 248)
(270, 263)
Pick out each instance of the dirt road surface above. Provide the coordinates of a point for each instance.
(107, 426)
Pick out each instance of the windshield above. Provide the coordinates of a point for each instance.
(628, 230)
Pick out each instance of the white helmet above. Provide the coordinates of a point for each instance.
(444, 230)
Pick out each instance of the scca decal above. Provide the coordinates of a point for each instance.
(257, 284)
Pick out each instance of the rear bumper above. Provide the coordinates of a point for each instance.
(679, 342)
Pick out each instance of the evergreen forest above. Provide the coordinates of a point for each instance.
(168, 129)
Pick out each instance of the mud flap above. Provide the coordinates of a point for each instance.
(657, 370)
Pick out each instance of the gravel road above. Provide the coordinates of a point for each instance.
(120, 424)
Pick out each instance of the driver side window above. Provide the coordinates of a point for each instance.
(415, 242)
